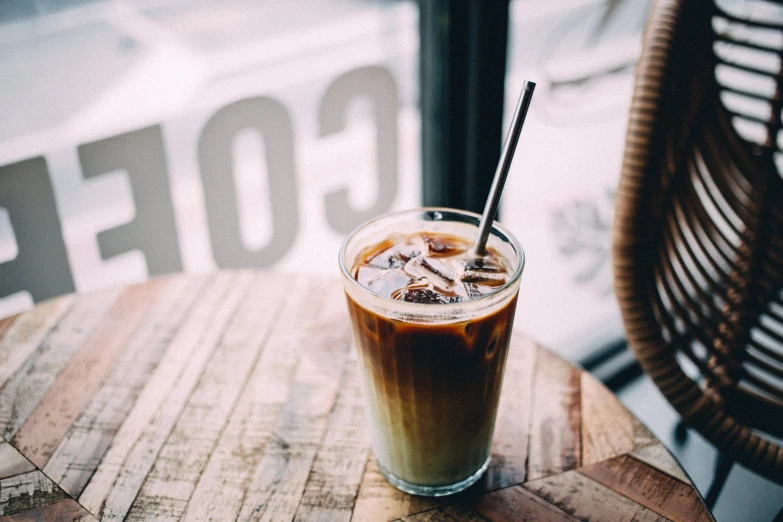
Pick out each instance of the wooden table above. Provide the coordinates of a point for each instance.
(235, 396)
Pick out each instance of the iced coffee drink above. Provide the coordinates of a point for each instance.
(431, 324)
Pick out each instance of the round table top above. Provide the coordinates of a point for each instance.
(235, 395)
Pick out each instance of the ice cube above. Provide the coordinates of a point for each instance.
(441, 246)
(435, 271)
(387, 282)
(421, 282)
(474, 291)
(438, 268)
(408, 251)
(483, 278)
(387, 259)
(415, 284)
(483, 265)
(426, 296)
(364, 274)
(396, 256)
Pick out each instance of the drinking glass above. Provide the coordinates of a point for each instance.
(431, 373)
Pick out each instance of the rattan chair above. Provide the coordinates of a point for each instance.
(697, 242)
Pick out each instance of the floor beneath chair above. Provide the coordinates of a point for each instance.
(745, 497)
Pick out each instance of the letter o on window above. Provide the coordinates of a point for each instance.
(272, 121)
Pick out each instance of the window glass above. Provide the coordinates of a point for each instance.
(559, 195)
(195, 135)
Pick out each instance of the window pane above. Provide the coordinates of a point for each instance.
(267, 131)
(559, 195)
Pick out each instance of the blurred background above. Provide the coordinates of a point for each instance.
(154, 136)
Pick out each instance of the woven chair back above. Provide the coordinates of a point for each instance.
(697, 242)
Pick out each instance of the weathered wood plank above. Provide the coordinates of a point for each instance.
(26, 332)
(555, 432)
(512, 428)
(77, 455)
(246, 407)
(280, 479)
(645, 515)
(22, 393)
(186, 451)
(334, 480)
(456, 513)
(70, 393)
(433, 515)
(607, 426)
(221, 489)
(67, 510)
(12, 462)
(27, 491)
(27, 494)
(641, 435)
(379, 500)
(657, 456)
(463, 513)
(6, 322)
(587, 499)
(120, 474)
(516, 503)
(649, 487)
(323, 514)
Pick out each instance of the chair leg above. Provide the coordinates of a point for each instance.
(680, 433)
(722, 468)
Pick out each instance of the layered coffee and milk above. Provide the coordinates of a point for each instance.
(432, 386)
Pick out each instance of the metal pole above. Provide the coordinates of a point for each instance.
(462, 78)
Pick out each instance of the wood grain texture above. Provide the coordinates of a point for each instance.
(27, 491)
(72, 390)
(587, 499)
(334, 479)
(237, 396)
(25, 333)
(279, 482)
(649, 487)
(184, 455)
(607, 426)
(379, 500)
(23, 488)
(516, 503)
(555, 430)
(5, 324)
(463, 513)
(659, 457)
(224, 483)
(80, 451)
(133, 451)
(67, 510)
(22, 393)
(512, 428)
(642, 436)
(454, 513)
(12, 462)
